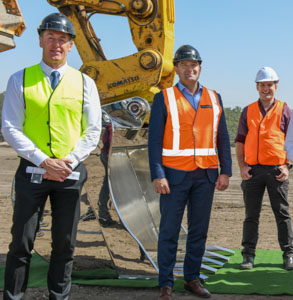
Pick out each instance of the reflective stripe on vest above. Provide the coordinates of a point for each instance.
(264, 143)
(53, 118)
(174, 150)
(176, 128)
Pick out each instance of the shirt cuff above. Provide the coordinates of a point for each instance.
(74, 163)
(39, 157)
(158, 172)
(226, 171)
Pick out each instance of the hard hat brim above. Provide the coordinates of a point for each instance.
(267, 80)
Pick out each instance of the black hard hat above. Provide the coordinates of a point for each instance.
(57, 22)
(186, 52)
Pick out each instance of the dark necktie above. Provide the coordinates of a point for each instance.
(55, 79)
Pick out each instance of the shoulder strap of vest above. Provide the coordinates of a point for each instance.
(70, 69)
(213, 96)
(33, 69)
(253, 103)
(174, 116)
(31, 75)
(281, 102)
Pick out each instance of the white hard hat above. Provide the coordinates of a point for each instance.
(266, 74)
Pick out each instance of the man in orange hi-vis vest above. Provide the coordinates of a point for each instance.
(188, 141)
(263, 164)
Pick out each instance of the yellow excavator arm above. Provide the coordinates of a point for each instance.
(11, 23)
(143, 73)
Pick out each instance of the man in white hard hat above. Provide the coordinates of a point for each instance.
(263, 164)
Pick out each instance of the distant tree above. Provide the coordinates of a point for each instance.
(232, 118)
(1, 98)
(1, 102)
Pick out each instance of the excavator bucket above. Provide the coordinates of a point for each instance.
(11, 24)
(137, 205)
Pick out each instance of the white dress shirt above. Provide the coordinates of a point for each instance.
(13, 115)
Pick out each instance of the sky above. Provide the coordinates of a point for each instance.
(234, 38)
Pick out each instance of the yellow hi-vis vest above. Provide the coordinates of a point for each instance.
(190, 137)
(53, 118)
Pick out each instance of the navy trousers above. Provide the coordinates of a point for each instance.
(196, 192)
(30, 200)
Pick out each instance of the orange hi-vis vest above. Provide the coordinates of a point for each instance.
(190, 137)
(264, 143)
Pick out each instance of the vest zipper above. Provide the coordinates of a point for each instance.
(49, 126)
(258, 140)
(194, 141)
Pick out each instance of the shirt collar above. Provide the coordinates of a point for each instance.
(182, 88)
(262, 108)
(48, 70)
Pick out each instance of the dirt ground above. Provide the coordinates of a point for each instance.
(91, 251)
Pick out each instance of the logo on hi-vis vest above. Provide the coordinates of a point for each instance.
(206, 106)
(68, 98)
(123, 82)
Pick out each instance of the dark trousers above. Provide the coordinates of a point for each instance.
(30, 200)
(253, 191)
(196, 191)
(104, 195)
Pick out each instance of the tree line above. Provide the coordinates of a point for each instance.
(232, 117)
(1, 102)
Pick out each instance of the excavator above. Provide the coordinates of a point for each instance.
(11, 24)
(126, 87)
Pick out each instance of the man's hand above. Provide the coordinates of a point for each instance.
(244, 169)
(222, 182)
(56, 169)
(283, 176)
(244, 172)
(161, 186)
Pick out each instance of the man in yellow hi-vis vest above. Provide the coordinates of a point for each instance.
(51, 116)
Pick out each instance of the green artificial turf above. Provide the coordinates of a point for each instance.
(268, 277)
